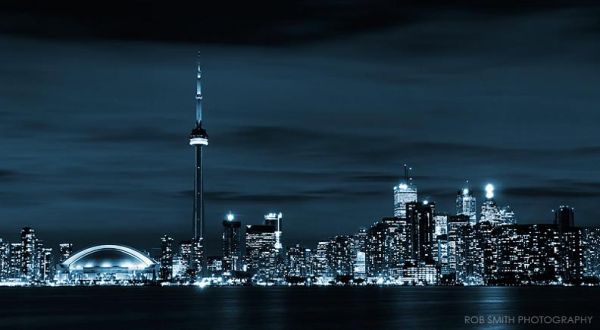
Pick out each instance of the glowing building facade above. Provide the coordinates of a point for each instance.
(231, 244)
(319, 260)
(274, 219)
(260, 251)
(420, 217)
(298, 262)
(340, 255)
(4, 259)
(29, 254)
(405, 192)
(591, 242)
(466, 204)
(65, 250)
(166, 258)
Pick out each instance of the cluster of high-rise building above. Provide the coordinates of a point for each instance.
(419, 245)
(29, 260)
(262, 254)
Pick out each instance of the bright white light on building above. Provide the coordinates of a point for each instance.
(195, 141)
(489, 191)
(274, 216)
(230, 217)
(403, 186)
(425, 202)
(466, 191)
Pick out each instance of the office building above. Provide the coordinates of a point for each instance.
(420, 217)
(405, 192)
(65, 250)
(466, 204)
(261, 258)
(564, 217)
(231, 244)
(166, 258)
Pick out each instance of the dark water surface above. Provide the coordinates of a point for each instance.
(288, 308)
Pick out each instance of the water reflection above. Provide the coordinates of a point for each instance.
(284, 308)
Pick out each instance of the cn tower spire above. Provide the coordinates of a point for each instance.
(199, 94)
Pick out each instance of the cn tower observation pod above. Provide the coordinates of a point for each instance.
(107, 264)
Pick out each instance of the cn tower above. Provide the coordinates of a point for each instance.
(198, 139)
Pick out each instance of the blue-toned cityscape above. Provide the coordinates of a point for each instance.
(417, 244)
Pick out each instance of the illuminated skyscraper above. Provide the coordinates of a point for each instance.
(592, 251)
(274, 219)
(198, 261)
(231, 243)
(441, 225)
(65, 250)
(214, 265)
(320, 264)
(185, 257)
(388, 246)
(405, 192)
(297, 261)
(455, 223)
(359, 253)
(420, 217)
(29, 253)
(260, 251)
(564, 217)
(340, 255)
(166, 258)
(489, 209)
(16, 260)
(4, 259)
(572, 255)
(198, 139)
(466, 204)
(507, 215)
(469, 256)
(525, 254)
(46, 265)
(377, 250)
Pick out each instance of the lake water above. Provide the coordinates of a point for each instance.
(292, 308)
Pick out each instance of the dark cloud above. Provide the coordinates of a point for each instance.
(275, 197)
(7, 174)
(373, 177)
(134, 134)
(266, 22)
(558, 192)
(307, 143)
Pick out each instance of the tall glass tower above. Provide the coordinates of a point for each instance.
(231, 243)
(564, 217)
(29, 253)
(466, 204)
(404, 193)
(489, 209)
(274, 219)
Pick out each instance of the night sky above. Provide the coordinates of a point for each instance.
(311, 109)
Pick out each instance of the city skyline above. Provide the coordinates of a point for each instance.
(358, 164)
(114, 160)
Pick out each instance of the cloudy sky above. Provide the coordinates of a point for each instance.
(312, 109)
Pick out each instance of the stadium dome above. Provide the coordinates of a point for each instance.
(108, 263)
